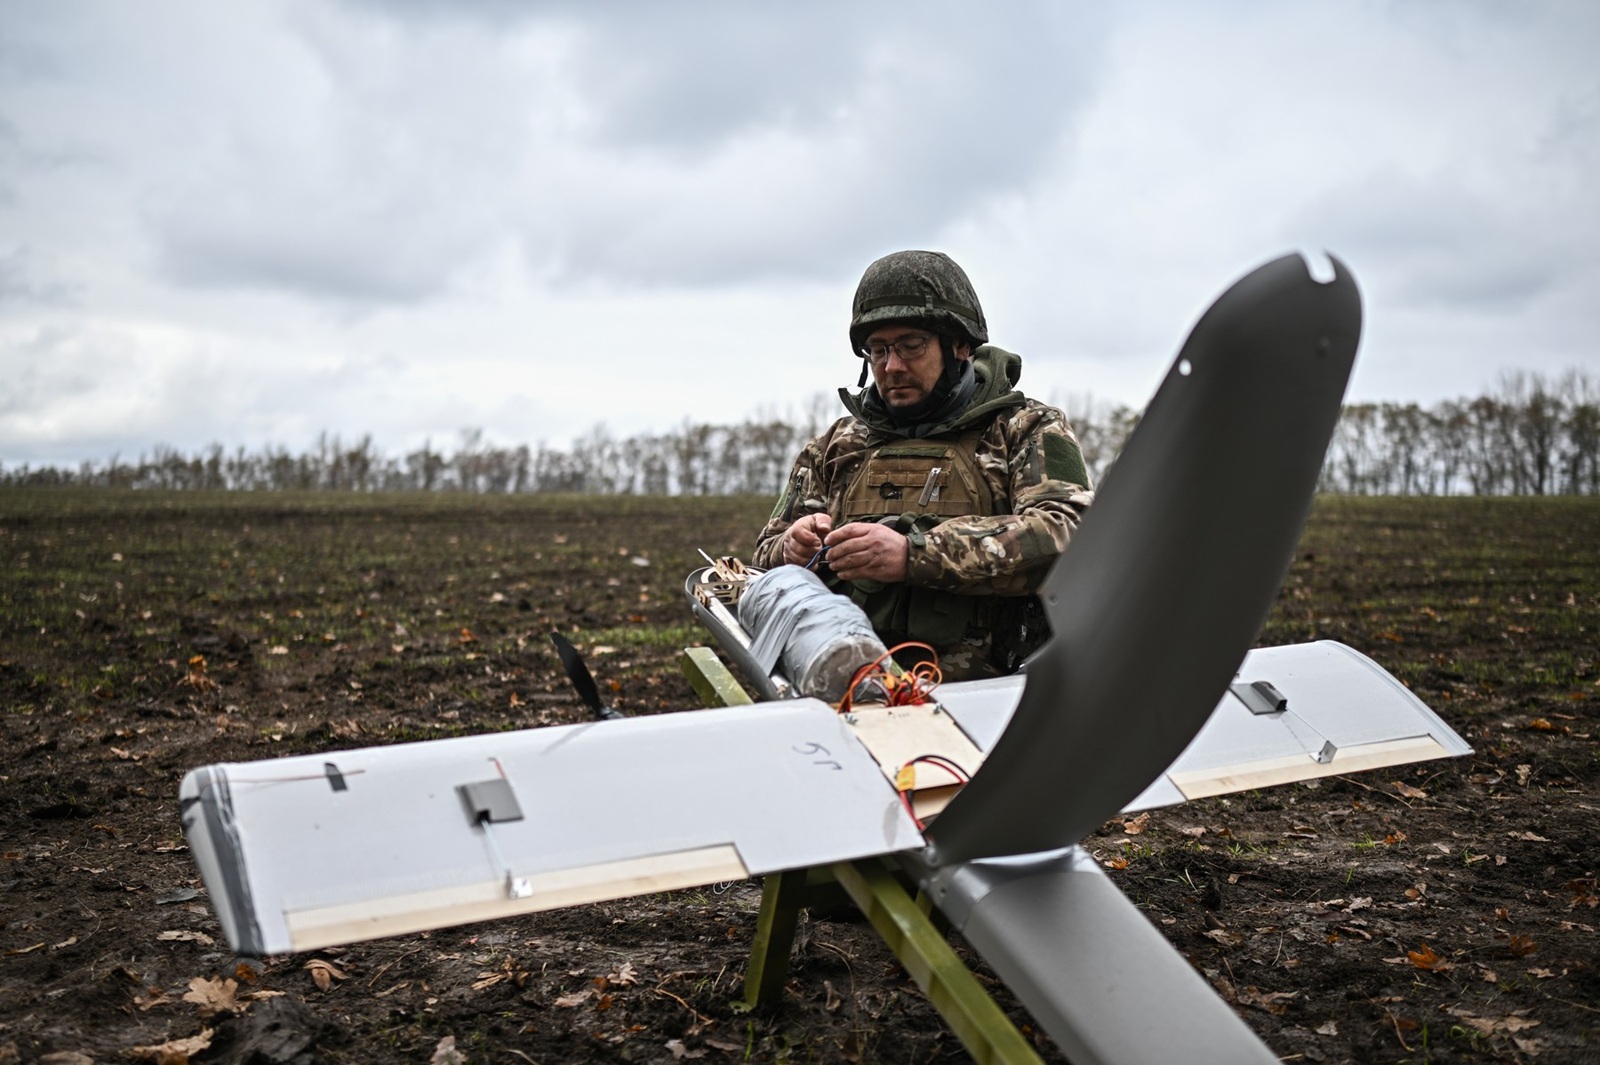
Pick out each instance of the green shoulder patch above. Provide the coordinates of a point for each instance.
(1063, 461)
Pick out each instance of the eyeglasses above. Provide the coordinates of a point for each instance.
(910, 348)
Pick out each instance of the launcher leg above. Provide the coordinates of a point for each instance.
(782, 896)
(711, 680)
(966, 1007)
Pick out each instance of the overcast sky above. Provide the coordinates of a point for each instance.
(251, 222)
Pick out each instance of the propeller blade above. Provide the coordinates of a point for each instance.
(1172, 573)
(582, 679)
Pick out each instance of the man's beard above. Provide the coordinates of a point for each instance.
(947, 397)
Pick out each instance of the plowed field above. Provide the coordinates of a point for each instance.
(1443, 912)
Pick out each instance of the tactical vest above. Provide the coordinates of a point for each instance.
(913, 485)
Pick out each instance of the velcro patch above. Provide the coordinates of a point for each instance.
(1063, 461)
(915, 451)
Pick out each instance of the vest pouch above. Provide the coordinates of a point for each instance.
(900, 612)
(936, 479)
(939, 617)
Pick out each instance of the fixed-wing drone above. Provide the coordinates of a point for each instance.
(1144, 696)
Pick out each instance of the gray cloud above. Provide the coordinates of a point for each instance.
(24, 280)
(254, 221)
(625, 149)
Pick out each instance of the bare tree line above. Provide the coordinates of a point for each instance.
(1530, 435)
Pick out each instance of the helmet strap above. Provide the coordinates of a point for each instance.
(862, 382)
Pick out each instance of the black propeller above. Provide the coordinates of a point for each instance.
(579, 674)
(1176, 565)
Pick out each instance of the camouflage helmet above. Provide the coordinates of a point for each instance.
(917, 286)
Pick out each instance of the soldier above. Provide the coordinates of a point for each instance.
(941, 502)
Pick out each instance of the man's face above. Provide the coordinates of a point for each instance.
(902, 383)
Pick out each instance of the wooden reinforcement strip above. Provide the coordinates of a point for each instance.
(710, 679)
(1247, 776)
(485, 900)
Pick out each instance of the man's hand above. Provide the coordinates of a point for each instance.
(803, 539)
(867, 550)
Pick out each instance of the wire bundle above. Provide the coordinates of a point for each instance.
(895, 686)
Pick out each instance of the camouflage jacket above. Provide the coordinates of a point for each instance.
(1036, 488)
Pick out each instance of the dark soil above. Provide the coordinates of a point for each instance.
(1440, 912)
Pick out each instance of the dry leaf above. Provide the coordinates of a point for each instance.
(323, 973)
(1528, 837)
(174, 1051)
(1223, 936)
(1491, 1025)
(152, 997)
(59, 1057)
(1271, 1001)
(509, 970)
(1114, 863)
(624, 975)
(1135, 825)
(832, 1002)
(577, 998)
(1426, 958)
(1407, 790)
(184, 935)
(1522, 946)
(1330, 1028)
(214, 995)
(446, 1053)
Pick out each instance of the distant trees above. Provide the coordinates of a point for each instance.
(1528, 436)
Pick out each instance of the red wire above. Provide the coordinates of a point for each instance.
(942, 762)
(905, 800)
(912, 689)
